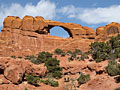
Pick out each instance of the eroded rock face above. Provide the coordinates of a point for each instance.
(39, 24)
(15, 69)
(27, 36)
(14, 73)
(105, 32)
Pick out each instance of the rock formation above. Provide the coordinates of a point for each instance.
(112, 28)
(31, 35)
(105, 32)
(17, 68)
(42, 26)
(27, 36)
(13, 70)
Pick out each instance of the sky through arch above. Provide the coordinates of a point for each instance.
(59, 31)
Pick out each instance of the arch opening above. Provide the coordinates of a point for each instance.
(59, 31)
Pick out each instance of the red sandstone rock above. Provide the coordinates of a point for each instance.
(27, 23)
(3, 80)
(112, 28)
(15, 69)
(14, 73)
(39, 23)
(16, 24)
(30, 35)
(89, 31)
(8, 21)
(98, 66)
(36, 70)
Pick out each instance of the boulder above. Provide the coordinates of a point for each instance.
(36, 70)
(16, 24)
(14, 70)
(14, 73)
(8, 21)
(27, 23)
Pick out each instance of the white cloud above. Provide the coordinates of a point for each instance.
(43, 8)
(93, 15)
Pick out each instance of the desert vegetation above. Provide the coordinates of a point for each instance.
(109, 50)
(100, 51)
(53, 68)
(83, 79)
(50, 82)
(32, 79)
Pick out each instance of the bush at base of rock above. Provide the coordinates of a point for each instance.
(43, 56)
(40, 58)
(83, 57)
(53, 67)
(78, 51)
(106, 50)
(58, 51)
(113, 68)
(100, 51)
(69, 52)
(63, 54)
(19, 57)
(57, 74)
(50, 82)
(13, 57)
(32, 80)
(29, 57)
(83, 79)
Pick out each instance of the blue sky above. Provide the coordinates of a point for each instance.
(91, 13)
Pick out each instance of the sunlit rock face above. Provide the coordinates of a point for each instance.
(31, 35)
(105, 32)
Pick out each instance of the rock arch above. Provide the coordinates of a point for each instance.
(42, 26)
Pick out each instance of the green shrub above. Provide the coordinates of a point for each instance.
(29, 57)
(50, 82)
(43, 56)
(78, 51)
(57, 74)
(53, 67)
(83, 79)
(69, 52)
(13, 57)
(63, 54)
(100, 51)
(26, 89)
(113, 68)
(58, 51)
(106, 50)
(74, 55)
(112, 62)
(19, 57)
(84, 56)
(32, 80)
(32, 58)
